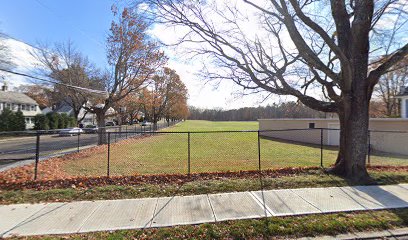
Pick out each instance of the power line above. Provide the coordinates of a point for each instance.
(55, 82)
(72, 25)
(7, 36)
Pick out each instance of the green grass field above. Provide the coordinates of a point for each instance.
(210, 152)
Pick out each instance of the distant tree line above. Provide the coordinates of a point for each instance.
(53, 121)
(283, 110)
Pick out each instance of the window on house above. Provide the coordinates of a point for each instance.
(311, 125)
(23, 107)
(7, 105)
(32, 107)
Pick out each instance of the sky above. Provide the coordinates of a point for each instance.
(86, 23)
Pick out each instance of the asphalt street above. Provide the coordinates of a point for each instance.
(22, 150)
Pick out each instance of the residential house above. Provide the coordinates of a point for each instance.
(403, 96)
(19, 101)
(85, 117)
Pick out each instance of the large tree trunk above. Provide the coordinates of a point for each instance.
(100, 119)
(155, 123)
(354, 122)
(351, 159)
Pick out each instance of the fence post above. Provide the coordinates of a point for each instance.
(108, 170)
(189, 155)
(321, 147)
(78, 141)
(126, 131)
(259, 152)
(369, 147)
(37, 155)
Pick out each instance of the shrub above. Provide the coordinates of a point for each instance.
(61, 123)
(12, 121)
(17, 121)
(5, 119)
(72, 122)
(41, 122)
(53, 119)
(65, 120)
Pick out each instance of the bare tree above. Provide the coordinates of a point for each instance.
(396, 77)
(297, 48)
(68, 66)
(390, 85)
(133, 58)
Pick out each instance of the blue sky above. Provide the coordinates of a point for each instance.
(85, 22)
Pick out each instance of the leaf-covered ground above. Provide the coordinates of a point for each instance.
(76, 189)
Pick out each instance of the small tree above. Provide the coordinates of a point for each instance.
(65, 120)
(61, 123)
(17, 121)
(72, 122)
(5, 119)
(41, 122)
(53, 119)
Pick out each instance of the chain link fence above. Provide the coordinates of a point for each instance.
(138, 150)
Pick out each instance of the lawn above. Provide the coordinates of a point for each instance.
(209, 152)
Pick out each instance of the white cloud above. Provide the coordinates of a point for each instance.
(22, 60)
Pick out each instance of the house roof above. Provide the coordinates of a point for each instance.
(16, 97)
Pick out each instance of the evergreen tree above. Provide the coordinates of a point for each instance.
(17, 121)
(72, 122)
(5, 119)
(53, 120)
(41, 122)
(64, 121)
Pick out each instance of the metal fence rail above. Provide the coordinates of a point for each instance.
(21, 148)
(140, 150)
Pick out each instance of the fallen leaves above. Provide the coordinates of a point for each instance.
(63, 181)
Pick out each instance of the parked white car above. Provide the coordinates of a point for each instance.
(146, 123)
(70, 131)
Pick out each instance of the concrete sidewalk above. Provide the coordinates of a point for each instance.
(88, 216)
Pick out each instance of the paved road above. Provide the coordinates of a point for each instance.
(106, 215)
(20, 151)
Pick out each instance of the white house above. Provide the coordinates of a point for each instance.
(403, 96)
(19, 101)
(87, 118)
